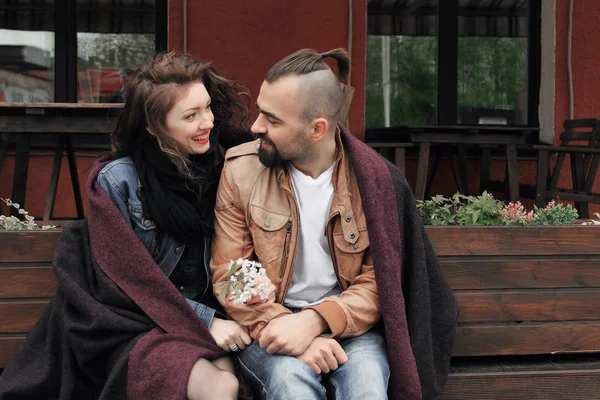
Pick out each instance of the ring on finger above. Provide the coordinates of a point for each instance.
(234, 347)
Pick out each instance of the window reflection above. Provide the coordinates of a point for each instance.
(27, 52)
(113, 39)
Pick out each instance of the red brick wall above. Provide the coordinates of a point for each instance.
(585, 65)
(245, 38)
(585, 61)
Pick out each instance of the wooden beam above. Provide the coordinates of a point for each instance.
(526, 339)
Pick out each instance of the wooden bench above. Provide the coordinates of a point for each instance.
(64, 120)
(397, 157)
(530, 306)
(27, 283)
(529, 326)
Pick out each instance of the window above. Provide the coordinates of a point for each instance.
(75, 50)
(27, 51)
(448, 62)
(111, 42)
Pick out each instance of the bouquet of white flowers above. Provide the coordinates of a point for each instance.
(246, 279)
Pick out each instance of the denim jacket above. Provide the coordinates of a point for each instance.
(119, 179)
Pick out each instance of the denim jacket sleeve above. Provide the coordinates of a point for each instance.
(119, 196)
(113, 191)
(205, 313)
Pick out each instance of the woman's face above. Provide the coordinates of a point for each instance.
(190, 120)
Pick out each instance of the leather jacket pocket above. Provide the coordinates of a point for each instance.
(350, 256)
(268, 231)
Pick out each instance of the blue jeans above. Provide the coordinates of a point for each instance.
(280, 377)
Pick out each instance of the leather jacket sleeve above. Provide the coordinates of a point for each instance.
(232, 240)
(356, 309)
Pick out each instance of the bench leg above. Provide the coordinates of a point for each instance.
(52, 189)
(422, 170)
(463, 182)
(486, 158)
(74, 176)
(513, 172)
(400, 159)
(542, 179)
(23, 149)
(3, 149)
(431, 175)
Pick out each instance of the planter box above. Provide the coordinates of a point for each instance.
(523, 291)
(27, 283)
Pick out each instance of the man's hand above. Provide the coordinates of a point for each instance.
(324, 355)
(292, 334)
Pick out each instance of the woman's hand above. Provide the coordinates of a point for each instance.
(229, 333)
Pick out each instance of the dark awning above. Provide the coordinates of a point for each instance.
(497, 18)
(97, 16)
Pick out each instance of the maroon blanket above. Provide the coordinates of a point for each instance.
(117, 328)
(418, 307)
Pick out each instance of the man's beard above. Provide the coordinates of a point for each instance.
(270, 158)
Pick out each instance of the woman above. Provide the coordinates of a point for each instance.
(165, 178)
(124, 312)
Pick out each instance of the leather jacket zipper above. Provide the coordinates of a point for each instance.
(288, 234)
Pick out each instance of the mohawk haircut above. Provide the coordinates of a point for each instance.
(319, 91)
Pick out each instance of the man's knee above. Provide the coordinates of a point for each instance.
(293, 379)
(367, 379)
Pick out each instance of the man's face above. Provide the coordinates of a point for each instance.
(283, 134)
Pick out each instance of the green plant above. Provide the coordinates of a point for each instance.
(460, 210)
(13, 223)
(479, 210)
(437, 211)
(555, 214)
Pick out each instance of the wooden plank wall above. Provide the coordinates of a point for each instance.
(27, 283)
(523, 291)
(526, 290)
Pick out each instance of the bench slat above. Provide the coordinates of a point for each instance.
(542, 385)
(529, 305)
(26, 246)
(20, 316)
(526, 338)
(9, 345)
(27, 282)
(507, 273)
(500, 240)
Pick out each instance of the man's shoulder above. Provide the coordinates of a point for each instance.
(244, 149)
(242, 161)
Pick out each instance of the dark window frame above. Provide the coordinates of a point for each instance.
(65, 67)
(447, 63)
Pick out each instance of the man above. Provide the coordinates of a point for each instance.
(292, 200)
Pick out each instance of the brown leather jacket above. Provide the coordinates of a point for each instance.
(256, 214)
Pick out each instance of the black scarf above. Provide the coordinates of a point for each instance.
(181, 207)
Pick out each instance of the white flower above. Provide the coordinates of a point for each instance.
(247, 281)
(12, 223)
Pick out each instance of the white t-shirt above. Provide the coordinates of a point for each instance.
(314, 277)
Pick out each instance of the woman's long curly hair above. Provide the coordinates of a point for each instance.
(153, 89)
